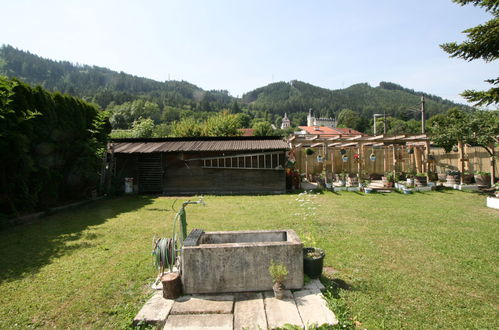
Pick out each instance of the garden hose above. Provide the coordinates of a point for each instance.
(164, 253)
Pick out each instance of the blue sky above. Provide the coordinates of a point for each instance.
(242, 45)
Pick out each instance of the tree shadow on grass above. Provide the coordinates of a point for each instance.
(24, 250)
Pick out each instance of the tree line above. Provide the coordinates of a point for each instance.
(129, 98)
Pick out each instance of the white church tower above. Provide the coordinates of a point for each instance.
(285, 122)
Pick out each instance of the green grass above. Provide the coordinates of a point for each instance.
(427, 260)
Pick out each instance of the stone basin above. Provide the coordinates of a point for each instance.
(238, 261)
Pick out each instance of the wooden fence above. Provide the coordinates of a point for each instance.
(479, 160)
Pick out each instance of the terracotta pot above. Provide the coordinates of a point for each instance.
(467, 178)
(452, 179)
(420, 181)
(482, 179)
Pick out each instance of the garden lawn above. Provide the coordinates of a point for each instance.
(427, 260)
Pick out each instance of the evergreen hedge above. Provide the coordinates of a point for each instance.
(51, 147)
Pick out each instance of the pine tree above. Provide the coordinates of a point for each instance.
(482, 43)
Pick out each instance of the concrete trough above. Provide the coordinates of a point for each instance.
(238, 261)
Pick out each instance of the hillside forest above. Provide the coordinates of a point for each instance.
(141, 107)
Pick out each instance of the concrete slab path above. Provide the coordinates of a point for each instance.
(251, 310)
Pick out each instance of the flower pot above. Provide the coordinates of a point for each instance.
(368, 190)
(407, 191)
(312, 265)
(452, 179)
(410, 182)
(278, 290)
(467, 178)
(420, 181)
(482, 179)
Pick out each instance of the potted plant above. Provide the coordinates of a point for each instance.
(468, 177)
(452, 176)
(342, 178)
(410, 178)
(313, 261)
(352, 181)
(482, 179)
(388, 180)
(278, 272)
(420, 179)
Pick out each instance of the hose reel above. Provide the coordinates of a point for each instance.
(166, 251)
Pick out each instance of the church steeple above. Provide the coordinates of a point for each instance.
(310, 119)
(285, 122)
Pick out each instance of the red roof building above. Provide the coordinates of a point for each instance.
(329, 131)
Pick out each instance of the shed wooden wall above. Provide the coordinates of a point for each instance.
(182, 176)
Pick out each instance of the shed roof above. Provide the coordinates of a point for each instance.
(198, 144)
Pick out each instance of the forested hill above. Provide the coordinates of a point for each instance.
(172, 100)
(103, 86)
(297, 96)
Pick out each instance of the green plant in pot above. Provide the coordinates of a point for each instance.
(420, 179)
(482, 179)
(313, 261)
(278, 272)
(388, 179)
(468, 177)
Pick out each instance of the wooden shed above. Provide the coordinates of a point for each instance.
(204, 165)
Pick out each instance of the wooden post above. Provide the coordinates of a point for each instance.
(461, 160)
(492, 165)
(418, 160)
(172, 285)
(394, 161)
(427, 154)
(333, 170)
(359, 165)
(385, 160)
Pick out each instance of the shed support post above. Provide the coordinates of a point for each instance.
(492, 165)
(394, 161)
(332, 166)
(385, 160)
(461, 160)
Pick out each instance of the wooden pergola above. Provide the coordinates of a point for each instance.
(391, 145)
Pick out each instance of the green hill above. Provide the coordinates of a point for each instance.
(172, 100)
(297, 96)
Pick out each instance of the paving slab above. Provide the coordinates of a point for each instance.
(204, 321)
(222, 304)
(313, 308)
(155, 311)
(314, 284)
(281, 312)
(249, 311)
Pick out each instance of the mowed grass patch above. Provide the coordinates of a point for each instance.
(427, 260)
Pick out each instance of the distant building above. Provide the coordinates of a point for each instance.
(247, 131)
(312, 121)
(285, 122)
(327, 131)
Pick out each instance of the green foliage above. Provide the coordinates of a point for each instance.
(187, 127)
(263, 128)
(350, 119)
(479, 128)
(51, 147)
(278, 272)
(481, 43)
(143, 128)
(222, 124)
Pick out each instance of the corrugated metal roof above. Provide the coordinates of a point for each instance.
(204, 145)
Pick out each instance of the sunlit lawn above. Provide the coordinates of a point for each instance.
(414, 261)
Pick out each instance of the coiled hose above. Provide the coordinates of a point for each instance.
(164, 253)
